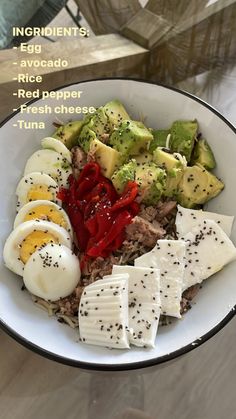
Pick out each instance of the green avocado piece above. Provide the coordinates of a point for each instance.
(173, 179)
(68, 133)
(197, 186)
(151, 181)
(143, 158)
(203, 154)
(123, 175)
(115, 113)
(166, 160)
(107, 157)
(86, 137)
(173, 168)
(159, 139)
(98, 123)
(131, 138)
(183, 135)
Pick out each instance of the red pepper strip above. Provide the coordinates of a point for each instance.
(90, 171)
(116, 244)
(133, 208)
(62, 194)
(85, 187)
(91, 225)
(88, 178)
(104, 222)
(119, 223)
(98, 226)
(77, 222)
(127, 197)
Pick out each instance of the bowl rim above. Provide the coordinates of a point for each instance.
(139, 364)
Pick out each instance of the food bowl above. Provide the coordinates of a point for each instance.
(213, 306)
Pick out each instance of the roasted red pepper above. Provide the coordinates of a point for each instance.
(97, 213)
(128, 196)
(122, 220)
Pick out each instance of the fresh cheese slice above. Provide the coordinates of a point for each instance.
(103, 313)
(168, 256)
(187, 219)
(208, 250)
(144, 303)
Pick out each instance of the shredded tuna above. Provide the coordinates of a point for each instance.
(187, 297)
(164, 209)
(69, 305)
(144, 232)
(97, 268)
(104, 138)
(79, 159)
(130, 250)
(191, 292)
(148, 213)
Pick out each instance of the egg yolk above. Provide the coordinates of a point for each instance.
(33, 241)
(39, 192)
(48, 213)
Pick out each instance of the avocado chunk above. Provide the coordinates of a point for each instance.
(108, 158)
(166, 160)
(86, 137)
(143, 158)
(151, 181)
(183, 135)
(197, 186)
(173, 168)
(68, 133)
(98, 123)
(115, 113)
(131, 138)
(203, 154)
(173, 179)
(159, 139)
(123, 175)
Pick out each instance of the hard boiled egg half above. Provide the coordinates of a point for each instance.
(29, 236)
(49, 162)
(58, 146)
(52, 272)
(43, 210)
(35, 186)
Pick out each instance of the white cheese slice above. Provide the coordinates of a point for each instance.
(144, 303)
(187, 218)
(103, 313)
(208, 250)
(168, 256)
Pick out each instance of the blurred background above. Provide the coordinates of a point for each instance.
(184, 43)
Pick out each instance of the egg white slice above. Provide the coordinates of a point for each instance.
(52, 272)
(11, 251)
(187, 219)
(51, 163)
(30, 207)
(56, 145)
(32, 180)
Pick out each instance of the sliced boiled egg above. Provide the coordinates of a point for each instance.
(56, 145)
(52, 272)
(51, 163)
(25, 239)
(43, 210)
(36, 186)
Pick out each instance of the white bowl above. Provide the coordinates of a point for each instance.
(214, 305)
